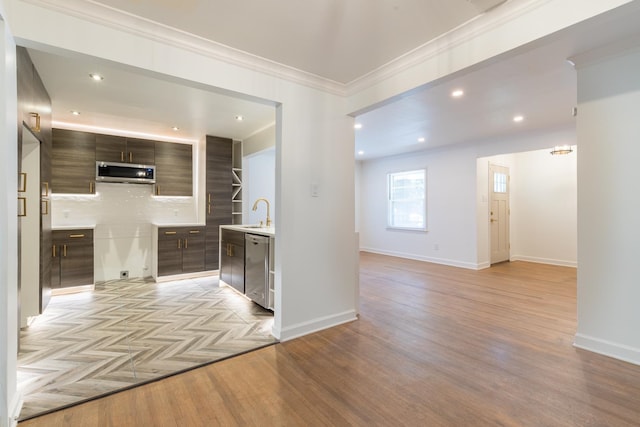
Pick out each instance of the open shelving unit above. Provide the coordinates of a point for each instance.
(236, 195)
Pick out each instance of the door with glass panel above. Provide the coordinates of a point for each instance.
(499, 213)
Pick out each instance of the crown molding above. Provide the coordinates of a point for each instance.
(603, 53)
(465, 32)
(92, 11)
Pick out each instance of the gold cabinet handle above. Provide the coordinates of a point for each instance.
(37, 116)
(22, 182)
(64, 250)
(157, 190)
(194, 231)
(76, 236)
(53, 250)
(22, 206)
(186, 243)
(92, 187)
(130, 156)
(209, 198)
(209, 209)
(179, 243)
(45, 211)
(45, 186)
(169, 233)
(122, 156)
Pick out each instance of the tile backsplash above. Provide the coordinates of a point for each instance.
(122, 215)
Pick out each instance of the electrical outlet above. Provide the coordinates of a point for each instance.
(124, 274)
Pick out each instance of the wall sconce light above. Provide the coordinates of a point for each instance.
(561, 149)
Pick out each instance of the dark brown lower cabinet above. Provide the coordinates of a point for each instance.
(180, 250)
(232, 258)
(72, 253)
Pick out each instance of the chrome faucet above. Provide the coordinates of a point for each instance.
(255, 207)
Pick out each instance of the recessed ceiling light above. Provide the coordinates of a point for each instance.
(357, 126)
(96, 77)
(518, 119)
(175, 128)
(360, 153)
(457, 93)
(421, 139)
(75, 113)
(239, 118)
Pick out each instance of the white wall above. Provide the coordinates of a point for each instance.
(544, 208)
(9, 399)
(609, 206)
(259, 173)
(457, 192)
(260, 141)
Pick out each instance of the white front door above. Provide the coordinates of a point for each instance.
(499, 213)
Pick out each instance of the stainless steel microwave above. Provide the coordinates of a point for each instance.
(125, 172)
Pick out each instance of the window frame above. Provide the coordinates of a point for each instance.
(389, 221)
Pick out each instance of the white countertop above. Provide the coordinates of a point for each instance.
(73, 227)
(252, 228)
(177, 224)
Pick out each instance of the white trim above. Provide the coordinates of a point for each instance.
(608, 348)
(314, 325)
(463, 33)
(560, 262)
(443, 261)
(483, 265)
(15, 408)
(107, 16)
(114, 18)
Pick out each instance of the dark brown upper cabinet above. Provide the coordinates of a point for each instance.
(110, 148)
(174, 173)
(73, 162)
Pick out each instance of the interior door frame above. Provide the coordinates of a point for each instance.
(491, 168)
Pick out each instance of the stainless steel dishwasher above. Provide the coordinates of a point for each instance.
(256, 268)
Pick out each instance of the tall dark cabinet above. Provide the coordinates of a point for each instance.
(219, 181)
(34, 116)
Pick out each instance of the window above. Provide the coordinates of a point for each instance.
(407, 207)
(499, 182)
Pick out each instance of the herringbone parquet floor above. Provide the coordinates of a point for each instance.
(128, 332)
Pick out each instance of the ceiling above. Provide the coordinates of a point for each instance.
(341, 41)
(336, 39)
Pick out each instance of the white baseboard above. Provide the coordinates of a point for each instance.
(14, 409)
(443, 261)
(608, 348)
(314, 325)
(560, 262)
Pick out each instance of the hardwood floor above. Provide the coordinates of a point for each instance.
(434, 346)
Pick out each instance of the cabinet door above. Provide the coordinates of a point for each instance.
(225, 260)
(218, 196)
(173, 169)
(232, 259)
(193, 250)
(73, 162)
(141, 151)
(237, 263)
(55, 263)
(76, 258)
(110, 148)
(169, 251)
